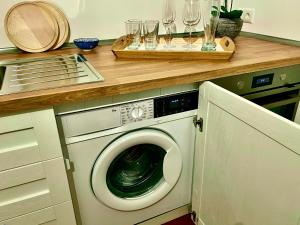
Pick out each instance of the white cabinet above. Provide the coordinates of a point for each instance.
(33, 181)
(247, 163)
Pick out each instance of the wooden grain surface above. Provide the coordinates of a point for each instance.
(128, 76)
(225, 50)
(62, 22)
(31, 27)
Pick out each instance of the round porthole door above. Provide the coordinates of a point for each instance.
(136, 170)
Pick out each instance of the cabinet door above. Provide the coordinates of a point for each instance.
(28, 138)
(247, 163)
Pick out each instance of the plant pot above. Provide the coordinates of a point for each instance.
(229, 27)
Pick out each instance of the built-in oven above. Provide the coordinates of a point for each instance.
(277, 90)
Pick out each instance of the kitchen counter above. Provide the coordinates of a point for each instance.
(128, 76)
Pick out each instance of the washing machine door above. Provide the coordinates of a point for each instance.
(136, 170)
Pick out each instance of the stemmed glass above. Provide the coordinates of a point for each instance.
(191, 17)
(168, 18)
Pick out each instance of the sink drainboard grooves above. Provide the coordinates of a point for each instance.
(35, 74)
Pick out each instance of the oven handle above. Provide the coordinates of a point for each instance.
(282, 102)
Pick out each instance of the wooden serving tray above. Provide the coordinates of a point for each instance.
(225, 49)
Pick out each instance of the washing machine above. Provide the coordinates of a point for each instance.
(132, 161)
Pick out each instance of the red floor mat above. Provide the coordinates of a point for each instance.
(184, 220)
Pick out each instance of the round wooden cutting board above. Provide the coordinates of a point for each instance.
(62, 22)
(31, 27)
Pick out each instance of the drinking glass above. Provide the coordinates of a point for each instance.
(133, 31)
(168, 18)
(168, 38)
(191, 17)
(151, 34)
(211, 14)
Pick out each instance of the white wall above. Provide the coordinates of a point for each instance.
(105, 18)
(279, 18)
(98, 18)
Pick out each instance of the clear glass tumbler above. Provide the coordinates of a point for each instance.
(210, 14)
(133, 31)
(151, 28)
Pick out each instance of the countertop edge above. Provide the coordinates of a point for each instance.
(19, 102)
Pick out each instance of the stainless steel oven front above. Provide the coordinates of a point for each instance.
(277, 90)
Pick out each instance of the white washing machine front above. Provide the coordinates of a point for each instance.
(136, 170)
(85, 154)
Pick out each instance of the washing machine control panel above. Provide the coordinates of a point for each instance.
(137, 111)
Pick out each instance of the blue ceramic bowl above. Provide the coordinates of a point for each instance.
(86, 44)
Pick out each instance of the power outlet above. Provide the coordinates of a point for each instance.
(248, 15)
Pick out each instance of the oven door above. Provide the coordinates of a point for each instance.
(283, 101)
(297, 117)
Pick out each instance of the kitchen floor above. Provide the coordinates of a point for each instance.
(184, 220)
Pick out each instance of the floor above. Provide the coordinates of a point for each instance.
(184, 220)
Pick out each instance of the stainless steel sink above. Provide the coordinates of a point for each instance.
(35, 74)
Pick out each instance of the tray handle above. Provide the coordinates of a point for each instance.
(227, 44)
(120, 43)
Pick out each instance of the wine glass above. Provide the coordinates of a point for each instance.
(168, 18)
(168, 38)
(191, 17)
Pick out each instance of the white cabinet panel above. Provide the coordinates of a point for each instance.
(33, 187)
(28, 138)
(65, 214)
(247, 163)
(61, 214)
(24, 199)
(15, 122)
(19, 155)
(46, 133)
(21, 175)
(57, 180)
(14, 147)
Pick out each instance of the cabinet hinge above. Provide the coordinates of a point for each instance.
(199, 123)
(68, 164)
(194, 217)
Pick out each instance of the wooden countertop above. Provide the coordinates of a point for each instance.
(128, 76)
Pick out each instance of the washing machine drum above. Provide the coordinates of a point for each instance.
(136, 170)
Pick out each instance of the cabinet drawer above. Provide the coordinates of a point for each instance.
(61, 214)
(33, 187)
(28, 138)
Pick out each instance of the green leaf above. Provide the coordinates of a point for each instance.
(234, 14)
(224, 8)
(216, 8)
(214, 13)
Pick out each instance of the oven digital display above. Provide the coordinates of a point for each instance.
(262, 80)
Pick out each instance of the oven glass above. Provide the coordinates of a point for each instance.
(287, 111)
(136, 171)
(284, 103)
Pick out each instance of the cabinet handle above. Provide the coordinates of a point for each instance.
(68, 164)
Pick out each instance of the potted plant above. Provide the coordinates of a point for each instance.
(230, 22)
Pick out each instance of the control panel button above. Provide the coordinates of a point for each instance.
(240, 84)
(283, 77)
(137, 111)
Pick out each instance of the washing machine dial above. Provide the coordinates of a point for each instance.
(137, 112)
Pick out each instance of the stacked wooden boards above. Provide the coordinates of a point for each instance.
(36, 26)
